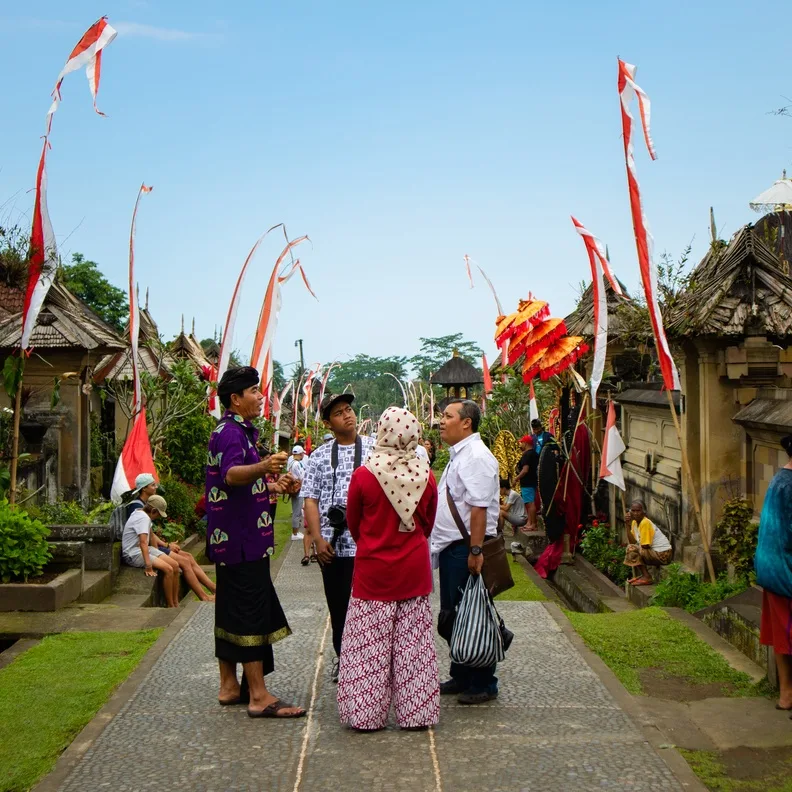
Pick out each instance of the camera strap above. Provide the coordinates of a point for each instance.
(334, 461)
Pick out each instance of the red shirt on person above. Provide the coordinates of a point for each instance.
(390, 564)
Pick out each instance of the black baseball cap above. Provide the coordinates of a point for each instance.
(331, 400)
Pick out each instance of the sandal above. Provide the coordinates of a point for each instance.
(273, 709)
(642, 582)
(305, 560)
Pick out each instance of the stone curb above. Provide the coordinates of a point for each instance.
(69, 759)
(627, 702)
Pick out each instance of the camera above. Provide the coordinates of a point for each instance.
(336, 516)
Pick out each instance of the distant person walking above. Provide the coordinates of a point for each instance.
(296, 469)
(388, 653)
(773, 565)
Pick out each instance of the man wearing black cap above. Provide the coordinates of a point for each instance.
(240, 541)
(324, 490)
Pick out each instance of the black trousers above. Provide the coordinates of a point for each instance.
(337, 579)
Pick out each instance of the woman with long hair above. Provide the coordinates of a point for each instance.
(388, 652)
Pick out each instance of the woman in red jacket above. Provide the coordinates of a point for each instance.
(388, 652)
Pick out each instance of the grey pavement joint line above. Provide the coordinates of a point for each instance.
(311, 706)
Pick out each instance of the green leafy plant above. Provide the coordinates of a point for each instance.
(442, 458)
(181, 498)
(737, 534)
(601, 549)
(100, 514)
(186, 442)
(170, 531)
(23, 545)
(62, 513)
(681, 589)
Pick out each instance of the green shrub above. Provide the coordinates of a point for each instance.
(186, 444)
(181, 498)
(737, 534)
(23, 545)
(603, 551)
(62, 513)
(170, 531)
(100, 514)
(442, 458)
(681, 589)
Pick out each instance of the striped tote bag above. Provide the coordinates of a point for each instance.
(476, 640)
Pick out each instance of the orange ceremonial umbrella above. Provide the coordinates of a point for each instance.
(538, 337)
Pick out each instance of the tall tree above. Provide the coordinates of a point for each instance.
(436, 351)
(369, 378)
(84, 280)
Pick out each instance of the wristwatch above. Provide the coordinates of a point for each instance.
(475, 550)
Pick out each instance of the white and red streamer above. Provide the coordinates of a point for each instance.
(43, 258)
(598, 263)
(628, 89)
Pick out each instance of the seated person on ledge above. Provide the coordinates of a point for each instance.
(512, 508)
(137, 552)
(195, 577)
(648, 545)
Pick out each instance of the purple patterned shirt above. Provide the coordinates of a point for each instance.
(239, 525)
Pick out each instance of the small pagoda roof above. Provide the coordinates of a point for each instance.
(581, 321)
(457, 371)
(186, 347)
(739, 288)
(64, 322)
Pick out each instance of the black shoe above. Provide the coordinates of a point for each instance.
(334, 672)
(477, 698)
(451, 688)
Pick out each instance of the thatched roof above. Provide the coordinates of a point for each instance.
(737, 290)
(118, 366)
(457, 371)
(64, 322)
(186, 347)
(581, 321)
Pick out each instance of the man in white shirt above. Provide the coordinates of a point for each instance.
(296, 468)
(471, 480)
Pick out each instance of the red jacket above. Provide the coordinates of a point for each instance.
(390, 564)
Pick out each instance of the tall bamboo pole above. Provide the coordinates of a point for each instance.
(692, 487)
(15, 444)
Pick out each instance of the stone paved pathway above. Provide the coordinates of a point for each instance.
(554, 727)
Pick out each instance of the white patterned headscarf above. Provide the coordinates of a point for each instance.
(401, 474)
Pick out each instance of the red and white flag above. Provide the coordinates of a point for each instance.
(43, 259)
(487, 376)
(88, 53)
(599, 265)
(533, 409)
(135, 459)
(628, 89)
(612, 449)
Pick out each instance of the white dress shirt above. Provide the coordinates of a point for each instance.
(472, 479)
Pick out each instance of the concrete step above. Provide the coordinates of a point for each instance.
(97, 586)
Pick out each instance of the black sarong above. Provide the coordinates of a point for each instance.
(248, 614)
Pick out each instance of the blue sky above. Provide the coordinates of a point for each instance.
(399, 137)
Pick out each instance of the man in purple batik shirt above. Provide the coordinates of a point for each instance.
(240, 541)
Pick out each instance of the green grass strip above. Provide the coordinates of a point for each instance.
(50, 692)
(711, 771)
(650, 638)
(525, 590)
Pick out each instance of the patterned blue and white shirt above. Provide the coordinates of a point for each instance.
(318, 484)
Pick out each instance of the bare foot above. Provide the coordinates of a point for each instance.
(228, 695)
(208, 598)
